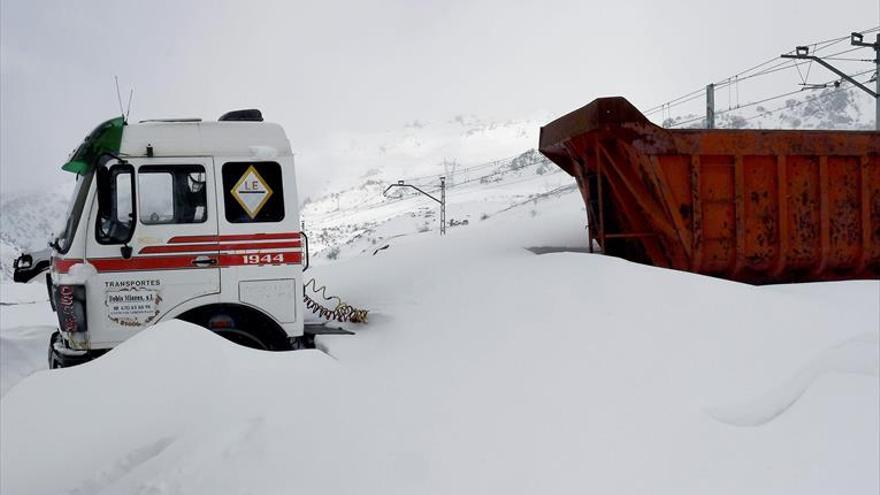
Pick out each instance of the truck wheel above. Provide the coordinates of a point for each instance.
(53, 363)
(242, 338)
(240, 324)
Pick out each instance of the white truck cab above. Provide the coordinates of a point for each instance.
(179, 219)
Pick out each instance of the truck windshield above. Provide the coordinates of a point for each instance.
(74, 212)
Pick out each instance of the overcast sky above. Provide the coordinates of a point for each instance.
(324, 67)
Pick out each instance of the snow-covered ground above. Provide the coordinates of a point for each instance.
(484, 368)
(26, 322)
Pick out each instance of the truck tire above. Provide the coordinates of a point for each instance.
(240, 324)
(53, 363)
(243, 338)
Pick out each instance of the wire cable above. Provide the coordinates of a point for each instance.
(772, 98)
(748, 73)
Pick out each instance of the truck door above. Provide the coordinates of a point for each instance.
(260, 247)
(170, 260)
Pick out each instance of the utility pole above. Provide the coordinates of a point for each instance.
(710, 106)
(442, 205)
(856, 39)
(441, 201)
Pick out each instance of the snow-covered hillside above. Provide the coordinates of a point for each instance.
(416, 148)
(28, 220)
(361, 219)
(844, 107)
(484, 368)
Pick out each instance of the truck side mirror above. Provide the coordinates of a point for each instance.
(116, 204)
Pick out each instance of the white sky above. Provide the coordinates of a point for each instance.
(323, 68)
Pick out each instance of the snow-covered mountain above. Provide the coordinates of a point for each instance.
(361, 218)
(844, 107)
(416, 148)
(28, 220)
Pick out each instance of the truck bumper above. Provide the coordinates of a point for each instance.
(61, 356)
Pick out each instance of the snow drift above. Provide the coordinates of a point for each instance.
(484, 369)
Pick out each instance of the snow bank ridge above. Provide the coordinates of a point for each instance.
(860, 355)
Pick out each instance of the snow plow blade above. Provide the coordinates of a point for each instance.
(754, 206)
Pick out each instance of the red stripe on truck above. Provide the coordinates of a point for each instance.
(62, 266)
(182, 239)
(185, 262)
(191, 248)
(138, 263)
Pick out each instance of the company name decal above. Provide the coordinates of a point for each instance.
(124, 284)
(132, 303)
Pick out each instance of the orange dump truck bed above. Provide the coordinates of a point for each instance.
(750, 205)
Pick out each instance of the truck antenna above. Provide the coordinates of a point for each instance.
(119, 97)
(128, 109)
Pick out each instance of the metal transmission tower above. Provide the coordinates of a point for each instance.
(442, 199)
(856, 39)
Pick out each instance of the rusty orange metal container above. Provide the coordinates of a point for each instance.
(750, 205)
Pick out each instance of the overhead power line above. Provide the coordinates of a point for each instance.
(800, 102)
(833, 82)
(753, 71)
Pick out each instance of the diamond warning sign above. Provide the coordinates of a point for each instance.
(251, 191)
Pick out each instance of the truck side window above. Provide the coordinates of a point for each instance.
(172, 194)
(253, 192)
(123, 197)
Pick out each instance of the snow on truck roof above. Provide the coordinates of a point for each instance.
(195, 138)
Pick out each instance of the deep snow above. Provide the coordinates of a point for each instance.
(484, 369)
(26, 322)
